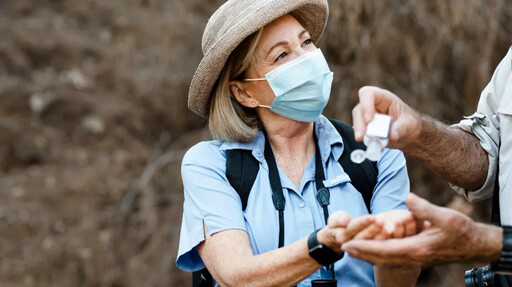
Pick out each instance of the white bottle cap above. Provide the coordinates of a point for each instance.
(379, 126)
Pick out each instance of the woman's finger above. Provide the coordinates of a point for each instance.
(410, 227)
(371, 231)
(338, 219)
(356, 225)
(399, 230)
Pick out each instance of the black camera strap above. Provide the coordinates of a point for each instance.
(495, 215)
(277, 189)
(501, 280)
(323, 194)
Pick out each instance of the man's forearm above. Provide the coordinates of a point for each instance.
(454, 154)
(488, 242)
(396, 275)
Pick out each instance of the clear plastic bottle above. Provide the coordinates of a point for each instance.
(374, 147)
(375, 139)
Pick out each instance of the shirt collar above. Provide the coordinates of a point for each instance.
(257, 146)
(329, 139)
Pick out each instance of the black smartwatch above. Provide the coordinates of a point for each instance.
(504, 265)
(321, 253)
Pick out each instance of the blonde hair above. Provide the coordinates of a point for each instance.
(228, 119)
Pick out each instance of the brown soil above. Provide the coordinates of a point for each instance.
(93, 120)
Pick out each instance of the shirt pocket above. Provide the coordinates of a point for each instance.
(344, 196)
(505, 105)
(506, 109)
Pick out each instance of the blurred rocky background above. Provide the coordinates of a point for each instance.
(93, 120)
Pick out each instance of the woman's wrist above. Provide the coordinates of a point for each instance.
(322, 253)
(327, 238)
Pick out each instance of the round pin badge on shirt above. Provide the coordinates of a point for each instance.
(358, 156)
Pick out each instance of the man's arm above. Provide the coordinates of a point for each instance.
(454, 154)
(396, 275)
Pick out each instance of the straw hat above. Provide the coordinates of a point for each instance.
(232, 23)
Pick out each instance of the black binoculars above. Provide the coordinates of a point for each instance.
(483, 276)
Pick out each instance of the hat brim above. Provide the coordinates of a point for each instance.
(312, 14)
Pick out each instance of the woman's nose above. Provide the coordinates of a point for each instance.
(299, 51)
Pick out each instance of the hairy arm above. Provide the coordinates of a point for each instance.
(454, 154)
(396, 275)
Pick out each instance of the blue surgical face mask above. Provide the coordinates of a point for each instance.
(301, 86)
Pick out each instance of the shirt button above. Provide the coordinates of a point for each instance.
(301, 205)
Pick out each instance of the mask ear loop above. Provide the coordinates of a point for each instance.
(254, 80)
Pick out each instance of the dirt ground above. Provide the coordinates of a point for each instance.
(93, 120)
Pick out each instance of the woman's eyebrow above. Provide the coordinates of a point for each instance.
(302, 33)
(281, 43)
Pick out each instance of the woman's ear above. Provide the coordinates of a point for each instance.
(239, 92)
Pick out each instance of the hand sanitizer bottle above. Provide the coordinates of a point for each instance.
(375, 139)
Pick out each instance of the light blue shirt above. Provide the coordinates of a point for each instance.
(210, 198)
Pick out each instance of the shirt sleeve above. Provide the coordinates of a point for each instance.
(392, 182)
(209, 198)
(484, 124)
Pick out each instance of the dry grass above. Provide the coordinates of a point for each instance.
(92, 93)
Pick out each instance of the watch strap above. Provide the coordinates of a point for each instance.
(504, 265)
(321, 253)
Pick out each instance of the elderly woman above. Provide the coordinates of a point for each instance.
(262, 85)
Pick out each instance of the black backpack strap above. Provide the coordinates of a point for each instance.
(202, 278)
(364, 175)
(495, 215)
(500, 280)
(241, 171)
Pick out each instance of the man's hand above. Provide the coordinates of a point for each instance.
(449, 236)
(406, 125)
(454, 154)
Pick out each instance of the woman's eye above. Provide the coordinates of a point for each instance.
(281, 56)
(308, 41)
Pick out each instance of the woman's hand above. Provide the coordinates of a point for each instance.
(398, 223)
(341, 227)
